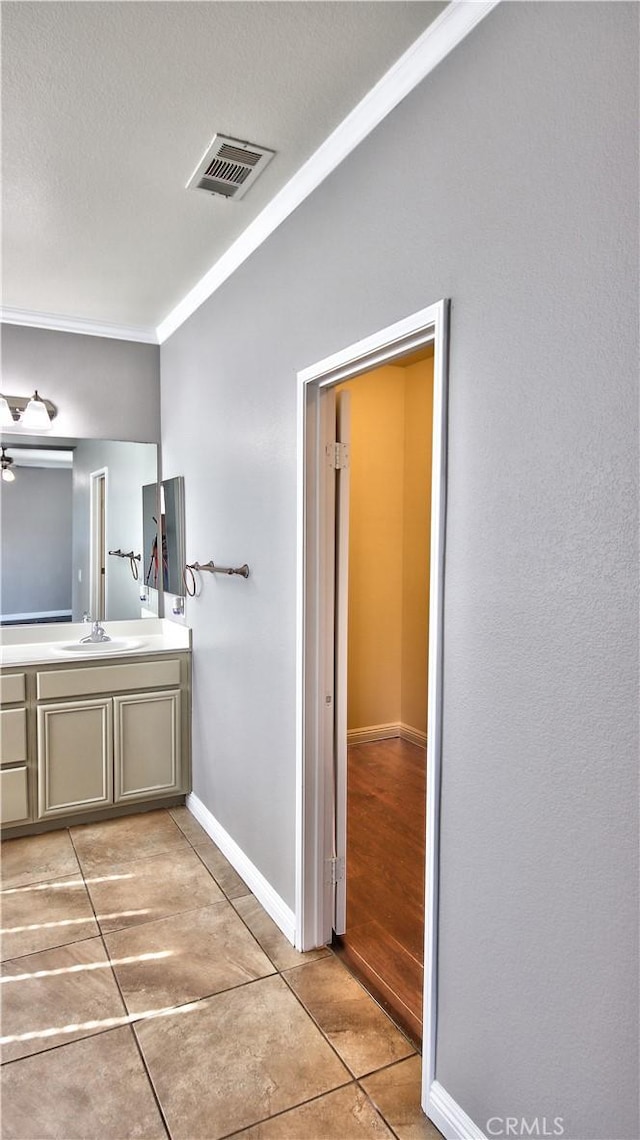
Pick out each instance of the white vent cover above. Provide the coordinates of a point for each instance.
(229, 167)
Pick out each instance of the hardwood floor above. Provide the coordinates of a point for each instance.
(383, 944)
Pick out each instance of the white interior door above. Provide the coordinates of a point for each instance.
(98, 545)
(343, 425)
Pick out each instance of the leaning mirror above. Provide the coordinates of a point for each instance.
(170, 553)
(71, 538)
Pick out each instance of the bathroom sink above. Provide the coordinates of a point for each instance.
(117, 645)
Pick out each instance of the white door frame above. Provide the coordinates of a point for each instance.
(95, 478)
(314, 714)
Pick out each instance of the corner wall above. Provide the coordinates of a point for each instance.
(523, 210)
(374, 667)
(389, 524)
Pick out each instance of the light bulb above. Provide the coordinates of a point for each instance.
(8, 475)
(6, 419)
(35, 415)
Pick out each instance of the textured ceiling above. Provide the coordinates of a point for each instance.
(108, 106)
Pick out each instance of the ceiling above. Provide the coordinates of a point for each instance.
(108, 107)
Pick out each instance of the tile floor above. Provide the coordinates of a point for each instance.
(146, 993)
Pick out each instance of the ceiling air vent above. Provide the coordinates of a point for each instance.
(229, 167)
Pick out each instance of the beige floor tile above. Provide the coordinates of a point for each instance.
(283, 955)
(188, 825)
(68, 1093)
(114, 841)
(225, 875)
(359, 1030)
(153, 888)
(43, 915)
(396, 1094)
(342, 1115)
(227, 1062)
(198, 953)
(57, 996)
(37, 857)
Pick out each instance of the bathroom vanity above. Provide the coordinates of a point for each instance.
(92, 730)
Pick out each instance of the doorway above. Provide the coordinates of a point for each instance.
(98, 544)
(383, 487)
(321, 833)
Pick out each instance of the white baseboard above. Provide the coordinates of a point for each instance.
(374, 732)
(36, 615)
(449, 1117)
(413, 735)
(274, 905)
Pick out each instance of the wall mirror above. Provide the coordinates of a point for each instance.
(70, 503)
(170, 552)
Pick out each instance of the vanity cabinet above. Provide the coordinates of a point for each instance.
(103, 735)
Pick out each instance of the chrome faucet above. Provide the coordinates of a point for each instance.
(97, 634)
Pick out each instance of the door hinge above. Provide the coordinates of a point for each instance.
(335, 870)
(338, 455)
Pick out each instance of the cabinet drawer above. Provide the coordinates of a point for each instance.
(13, 736)
(14, 803)
(60, 683)
(12, 688)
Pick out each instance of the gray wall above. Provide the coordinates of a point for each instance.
(101, 387)
(35, 542)
(519, 203)
(129, 467)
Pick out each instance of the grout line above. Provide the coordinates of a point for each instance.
(319, 1027)
(291, 1108)
(379, 1111)
(47, 949)
(218, 884)
(124, 1005)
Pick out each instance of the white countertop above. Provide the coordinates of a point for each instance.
(41, 644)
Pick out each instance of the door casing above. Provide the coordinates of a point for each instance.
(314, 656)
(98, 582)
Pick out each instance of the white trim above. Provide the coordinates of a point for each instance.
(372, 732)
(274, 905)
(449, 1117)
(398, 729)
(452, 26)
(58, 323)
(413, 735)
(37, 615)
(427, 326)
(434, 695)
(102, 473)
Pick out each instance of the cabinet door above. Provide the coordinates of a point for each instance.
(74, 757)
(147, 745)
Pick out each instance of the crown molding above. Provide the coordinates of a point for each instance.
(452, 26)
(58, 323)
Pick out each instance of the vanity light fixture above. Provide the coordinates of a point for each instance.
(22, 413)
(6, 462)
